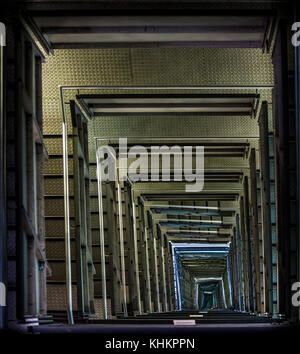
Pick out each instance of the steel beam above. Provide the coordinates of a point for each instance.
(266, 206)
(255, 235)
(78, 212)
(248, 244)
(102, 237)
(122, 251)
(114, 250)
(134, 282)
(147, 296)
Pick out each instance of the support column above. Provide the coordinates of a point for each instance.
(114, 250)
(147, 298)
(254, 218)
(266, 207)
(162, 271)
(154, 272)
(248, 244)
(240, 264)
(78, 219)
(31, 207)
(244, 256)
(134, 305)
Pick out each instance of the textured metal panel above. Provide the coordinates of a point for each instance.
(54, 145)
(205, 66)
(55, 186)
(155, 66)
(99, 308)
(93, 173)
(94, 204)
(56, 228)
(93, 188)
(56, 297)
(186, 126)
(56, 249)
(55, 207)
(54, 166)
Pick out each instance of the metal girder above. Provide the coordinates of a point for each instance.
(83, 244)
(114, 250)
(121, 235)
(149, 30)
(248, 244)
(134, 283)
(244, 254)
(147, 288)
(135, 104)
(163, 273)
(154, 268)
(78, 210)
(255, 235)
(266, 207)
(240, 264)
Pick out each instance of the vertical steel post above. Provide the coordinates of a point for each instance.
(121, 233)
(162, 249)
(136, 259)
(266, 203)
(102, 239)
(248, 243)
(254, 219)
(156, 272)
(240, 264)
(147, 269)
(67, 211)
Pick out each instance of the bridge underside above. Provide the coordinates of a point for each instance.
(151, 167)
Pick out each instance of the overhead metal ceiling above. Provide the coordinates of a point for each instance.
(94, 31)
